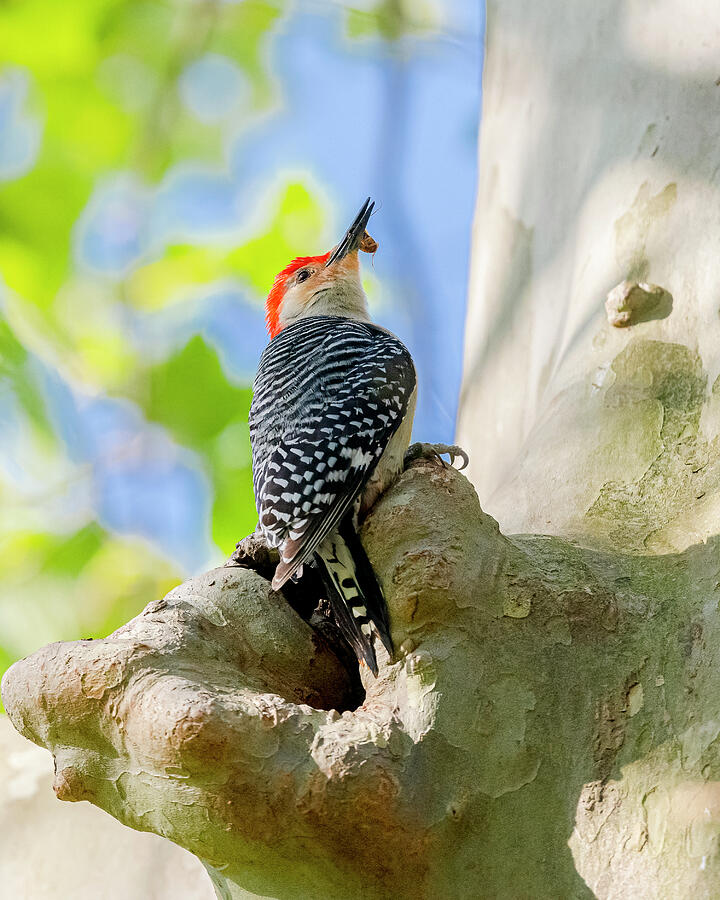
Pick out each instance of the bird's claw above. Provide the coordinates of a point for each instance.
(253, 553)
(437, 451)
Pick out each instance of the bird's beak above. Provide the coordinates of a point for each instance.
(353, 236)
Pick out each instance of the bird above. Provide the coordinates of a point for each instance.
(330, 423)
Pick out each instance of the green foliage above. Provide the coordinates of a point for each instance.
(390, 19)
(15, 371)
(297, 215)
(184, 269)
(103, 85)
(192, 397)
(62, 587)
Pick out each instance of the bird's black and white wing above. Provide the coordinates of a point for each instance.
(328, 396)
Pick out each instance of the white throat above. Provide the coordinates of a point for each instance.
(344, 297)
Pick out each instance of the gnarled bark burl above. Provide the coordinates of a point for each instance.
(522, 680)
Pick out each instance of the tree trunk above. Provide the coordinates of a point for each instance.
(597, 420)
(550, 720)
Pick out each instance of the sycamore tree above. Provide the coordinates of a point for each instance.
(548, 726)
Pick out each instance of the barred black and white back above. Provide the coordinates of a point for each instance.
(329, 396)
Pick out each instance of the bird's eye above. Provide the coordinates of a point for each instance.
(303, 275)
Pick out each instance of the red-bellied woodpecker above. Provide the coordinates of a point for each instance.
(330, 422)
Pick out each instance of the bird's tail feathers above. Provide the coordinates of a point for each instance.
(355, 595)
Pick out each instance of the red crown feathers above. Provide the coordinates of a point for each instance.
(277, 292)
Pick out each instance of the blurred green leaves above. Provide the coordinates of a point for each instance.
(191, 396)
(185, 269)
(390, 19)
(15, 372)
(296, 215)
(179, 154)
(103, 82)
(81, 585)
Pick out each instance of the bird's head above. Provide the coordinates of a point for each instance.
(326, 285)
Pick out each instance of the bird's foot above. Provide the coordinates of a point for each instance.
(436, 451)
(253, 553)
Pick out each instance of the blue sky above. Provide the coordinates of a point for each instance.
(353, 118)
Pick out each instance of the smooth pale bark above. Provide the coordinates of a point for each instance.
(599, 165)
(53, 851)
(549, 726)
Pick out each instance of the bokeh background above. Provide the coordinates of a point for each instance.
(159, 163)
